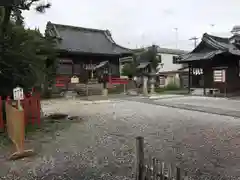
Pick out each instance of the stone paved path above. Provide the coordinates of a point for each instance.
(219, 106)
(101, 146)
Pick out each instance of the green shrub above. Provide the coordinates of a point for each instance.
(159, 90)
(116, 90)
(172, 86)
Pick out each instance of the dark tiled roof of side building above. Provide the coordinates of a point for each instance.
(171, 51)
(85, 40)
(209, 47)
(163, 51)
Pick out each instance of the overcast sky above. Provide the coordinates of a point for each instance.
(135, 23)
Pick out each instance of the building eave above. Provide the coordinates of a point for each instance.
(216, 46)
(89, 53)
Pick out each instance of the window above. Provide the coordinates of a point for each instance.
(175, 58)
(162, 80)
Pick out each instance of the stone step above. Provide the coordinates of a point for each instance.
(70, 94)
(93, 81)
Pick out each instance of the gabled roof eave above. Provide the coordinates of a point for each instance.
(211, 42)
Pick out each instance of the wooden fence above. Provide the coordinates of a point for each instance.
(154, 169)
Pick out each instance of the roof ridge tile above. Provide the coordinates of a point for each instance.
(79, 27)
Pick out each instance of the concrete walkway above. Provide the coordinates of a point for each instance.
(219, 106)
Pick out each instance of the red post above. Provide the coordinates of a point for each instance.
(110, 79)
(26, 108)
(38, 109)
(32, 109)
(8, 99)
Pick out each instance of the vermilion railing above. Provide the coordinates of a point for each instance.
(61, 81)
(117, 80)
(31, 106)
(32, 109)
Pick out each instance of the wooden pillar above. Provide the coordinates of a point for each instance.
(204, 83)
(140, 166)
(91, 66)
(225, 83)
(73, 70)
(189, 77)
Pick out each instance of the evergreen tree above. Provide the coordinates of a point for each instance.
(150, 55)
(27, 57)
(143, 55)
(130, 69)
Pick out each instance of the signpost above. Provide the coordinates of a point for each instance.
(219, 76)
(18, 96)
(16, 125)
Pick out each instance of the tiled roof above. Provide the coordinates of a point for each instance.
(161, 50)
(209, 47)
(85, 40)
(171, 51)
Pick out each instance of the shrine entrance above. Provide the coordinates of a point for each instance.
(90, 69)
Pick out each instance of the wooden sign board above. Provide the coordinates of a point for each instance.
(75, 80)
(219, 75)
(18, 93)
(197, 71)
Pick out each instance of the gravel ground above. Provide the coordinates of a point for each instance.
(101, 145)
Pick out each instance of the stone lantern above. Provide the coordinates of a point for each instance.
(152, 77)
(144, 69)
(152, 81)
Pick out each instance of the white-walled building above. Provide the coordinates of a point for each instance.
(168, 71)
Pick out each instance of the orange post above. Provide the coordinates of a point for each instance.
(38, 109)
(16, 130)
